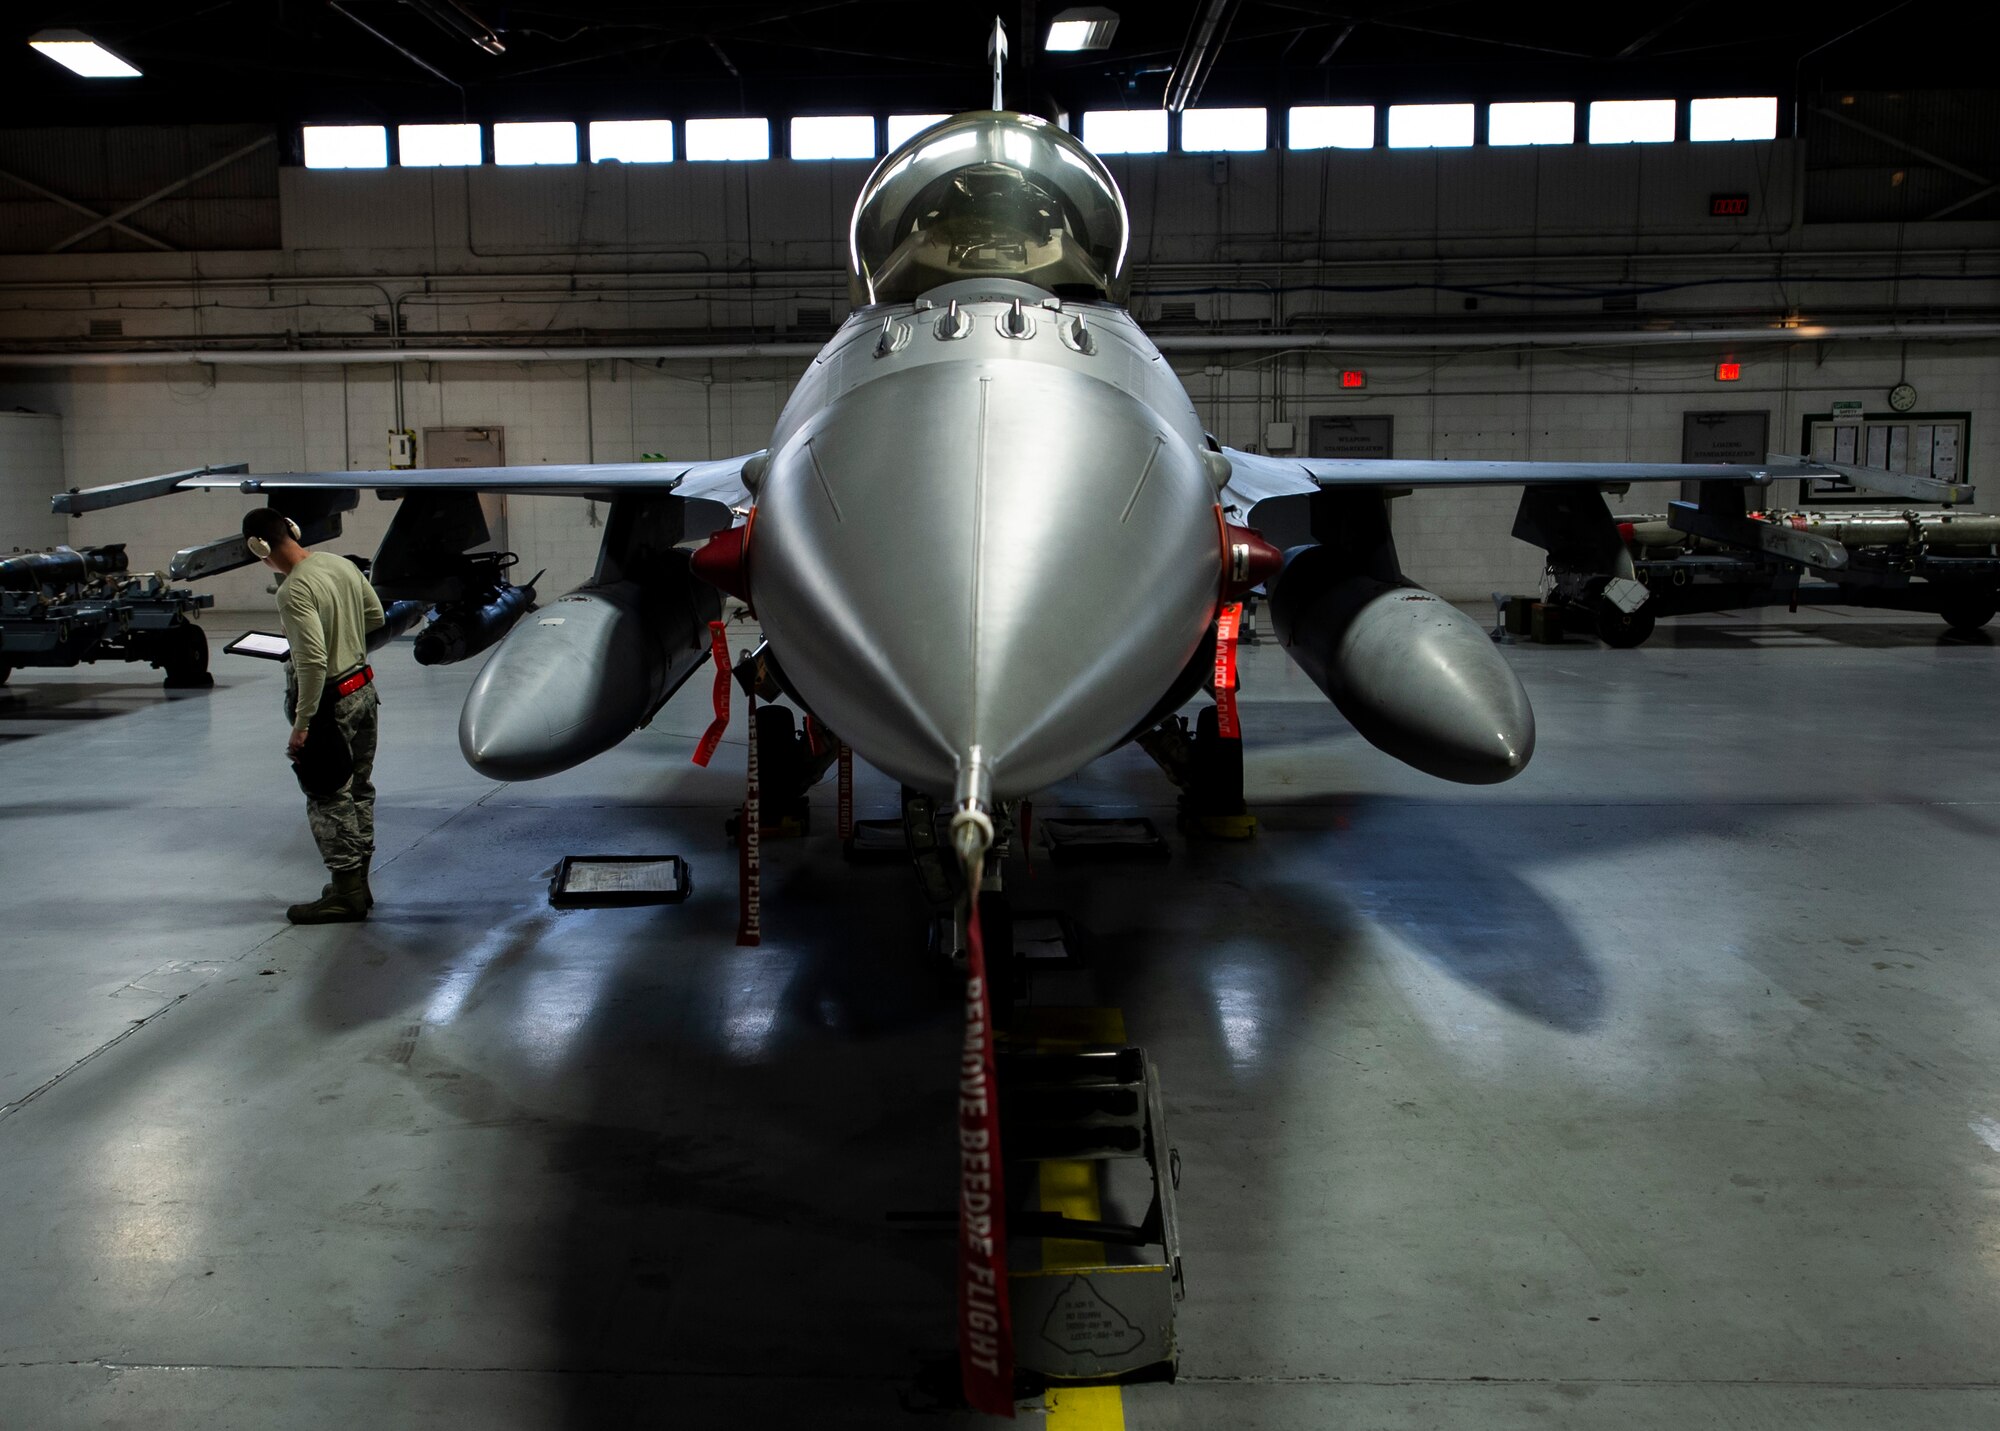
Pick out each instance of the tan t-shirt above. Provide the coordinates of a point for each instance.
(328, 609)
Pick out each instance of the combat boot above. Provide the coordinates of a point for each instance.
(367, 894)
(345, 902)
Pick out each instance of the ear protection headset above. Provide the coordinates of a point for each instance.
(260, 549)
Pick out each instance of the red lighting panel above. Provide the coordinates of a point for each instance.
(1353, 378)
(1728, 372)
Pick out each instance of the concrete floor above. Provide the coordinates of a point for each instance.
(1658, 1088)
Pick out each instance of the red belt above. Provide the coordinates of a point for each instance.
(348, 685)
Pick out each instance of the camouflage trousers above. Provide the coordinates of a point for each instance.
(343, 824)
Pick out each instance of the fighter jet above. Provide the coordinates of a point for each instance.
(988, 542)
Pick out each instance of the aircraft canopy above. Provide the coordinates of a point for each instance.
(988, 194)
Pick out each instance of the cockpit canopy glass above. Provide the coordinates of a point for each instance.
(984, 195)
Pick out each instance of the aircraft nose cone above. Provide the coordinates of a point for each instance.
(1009, 555)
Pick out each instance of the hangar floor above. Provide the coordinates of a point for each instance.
(1658, 1088)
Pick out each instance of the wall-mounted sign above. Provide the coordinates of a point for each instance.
(1353, 378)
(1729, 206)
(1931, 447)
(1728, 372)
(1725, 437)
(1357, 436)
(1732, 438)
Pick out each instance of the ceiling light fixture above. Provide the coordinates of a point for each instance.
(1082, 27)
(76, 51)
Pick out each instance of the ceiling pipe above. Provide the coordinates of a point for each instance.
(354, 357)
(1584, 338)
(1204, 42)
(1779, 260)
(1169, 342)
(458, 20)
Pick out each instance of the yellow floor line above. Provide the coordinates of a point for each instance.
(1072, 1189)
(1085, 1408)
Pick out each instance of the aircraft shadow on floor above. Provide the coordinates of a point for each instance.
(715, 1139)
(712, 1137)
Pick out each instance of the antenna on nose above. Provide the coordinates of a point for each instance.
(996, 51)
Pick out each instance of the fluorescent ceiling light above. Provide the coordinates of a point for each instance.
(77, 52)
(432, 146)
(904, 127)
(1744, 118)
(1209, 131)
(1543, 122)
(346, 146)
(1430, 126)
(1082, 27)
(1632, 121)
(540, 142)
(727, 139)
(632, 141)
(1125, 131)
(1331, 126)
(833, 136)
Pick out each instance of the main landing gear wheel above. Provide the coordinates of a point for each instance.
(786, 769)
(1968, 610)
(184, 653)
(1622, 630)
(1212, 799)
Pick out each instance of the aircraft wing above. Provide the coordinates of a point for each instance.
(1256, 478)
(719, 481)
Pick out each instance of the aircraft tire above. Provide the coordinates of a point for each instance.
(186, 658)
(1622, 630)
(1968, 610)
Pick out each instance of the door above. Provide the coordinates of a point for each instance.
(472, 447)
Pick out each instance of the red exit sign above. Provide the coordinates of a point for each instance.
(1353, 378)
(1729, 206)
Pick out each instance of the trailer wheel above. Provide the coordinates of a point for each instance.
(185, 657)
(1968, 610)
(1622, 630)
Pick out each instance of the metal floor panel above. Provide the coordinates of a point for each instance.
(1658, 1087)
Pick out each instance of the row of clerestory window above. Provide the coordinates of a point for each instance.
(1106, 131)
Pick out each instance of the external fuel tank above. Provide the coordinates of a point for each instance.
(1415, 676)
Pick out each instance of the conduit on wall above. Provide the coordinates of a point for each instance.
(1171, 343)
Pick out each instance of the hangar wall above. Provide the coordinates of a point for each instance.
(1615, 405)
(1365, 243)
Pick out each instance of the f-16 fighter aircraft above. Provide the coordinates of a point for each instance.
(988, 542)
